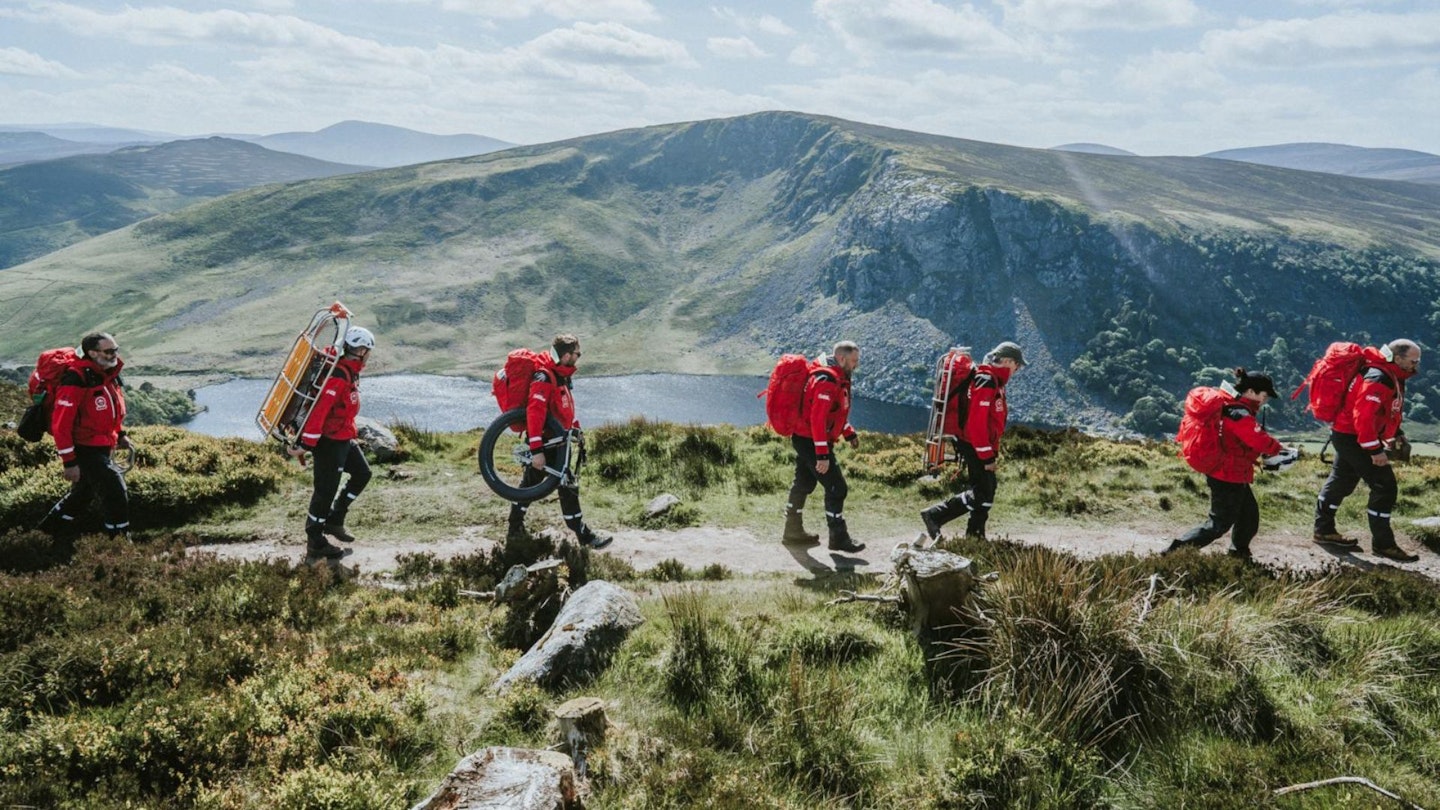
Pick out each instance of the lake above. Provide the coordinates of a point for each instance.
(446, 404)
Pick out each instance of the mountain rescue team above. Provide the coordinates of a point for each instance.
(329, 436)
(88, 422)
(824, 419)
(980, 404)
(1242, 440)
(89, 411)
(1365, 431)
(551, 395)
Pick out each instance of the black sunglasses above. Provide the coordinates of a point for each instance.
(109, 352)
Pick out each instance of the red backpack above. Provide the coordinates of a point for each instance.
(785, 393)
(44, 382)
(511, 385)
(1330, 379)
(1199, 434)
(962, 373)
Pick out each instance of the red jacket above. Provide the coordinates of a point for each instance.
(1242, 440)
(550, 394)
(986, 415)
(89, 408)
(1375, 403)
(825, 413)
(337, 406)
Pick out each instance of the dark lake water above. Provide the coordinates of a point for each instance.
(454, 403)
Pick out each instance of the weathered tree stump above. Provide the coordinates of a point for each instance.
(939, 590)
(582, 726)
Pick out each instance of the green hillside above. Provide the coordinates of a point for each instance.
(713, 246)
(47, 205)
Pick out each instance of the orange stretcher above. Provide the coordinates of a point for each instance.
(939, 448)
(309, 364)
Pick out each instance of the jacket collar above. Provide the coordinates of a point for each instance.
(83, 363)
(1000, 373)
(1375, 359)
(549, 362)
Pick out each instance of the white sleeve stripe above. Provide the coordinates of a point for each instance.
(65, 450)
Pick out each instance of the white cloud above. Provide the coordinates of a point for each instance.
(614, 10)
(609, 43)
(764, 23)
(804, 56)
(1359, 38)
(18, 62)
(1076, 15)
(914, 26)
(1164, 72)
(734, 48)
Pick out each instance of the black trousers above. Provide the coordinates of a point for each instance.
(1232, 509)
(333, 457)
(806, 479)
(99, 474)
(1351, 466)
(569, 501)
(977, 500)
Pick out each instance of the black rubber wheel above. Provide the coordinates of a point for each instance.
(505, 456)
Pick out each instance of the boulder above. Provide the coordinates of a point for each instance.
(507, 779)
(660, 505)
(593, 623)
(378, 439)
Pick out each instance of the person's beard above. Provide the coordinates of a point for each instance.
(108, 363)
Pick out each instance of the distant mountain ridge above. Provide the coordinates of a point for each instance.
(713, 246)
(47, 205)
(1093, 149)
(366, 144)
(1333, 158)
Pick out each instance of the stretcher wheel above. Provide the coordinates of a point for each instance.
(505, 456)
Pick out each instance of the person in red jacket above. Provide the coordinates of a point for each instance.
(87, 422)
(825, 418)
(329, 435)
(551, 395)
(1242, 441)
(1364, 431)
(978, 443)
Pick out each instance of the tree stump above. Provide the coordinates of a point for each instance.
(582, 726)
(938, 591)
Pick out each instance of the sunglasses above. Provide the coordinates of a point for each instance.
(109, 352)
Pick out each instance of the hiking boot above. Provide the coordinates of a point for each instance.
(1175, 545)
(590, 539)
(840, 539)
(932, 526)
(1336, 540)
(977, 536)
(795, 533)
(1397, 554)
(1240, 554)
(337, 531)
(324, 550)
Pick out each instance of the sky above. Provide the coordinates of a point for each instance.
(1156, 77)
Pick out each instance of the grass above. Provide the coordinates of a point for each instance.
(135, 674)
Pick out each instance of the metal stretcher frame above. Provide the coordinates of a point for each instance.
(307, 367)
(938, 449)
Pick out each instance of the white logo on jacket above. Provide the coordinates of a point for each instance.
(101, 404)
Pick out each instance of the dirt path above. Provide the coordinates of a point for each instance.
(743, 552)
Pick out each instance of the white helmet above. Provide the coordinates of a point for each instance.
(358, 337)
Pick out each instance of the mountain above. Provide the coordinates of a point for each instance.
(366, 144)
(47, 205)
(26, 147)
(93, 133)
(714, 246)
(1092, 149)
(1334, 158)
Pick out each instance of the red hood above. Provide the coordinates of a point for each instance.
(1373, 357)
(1000, 373)
(352, 365)
(547, 362)
(83, 363)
